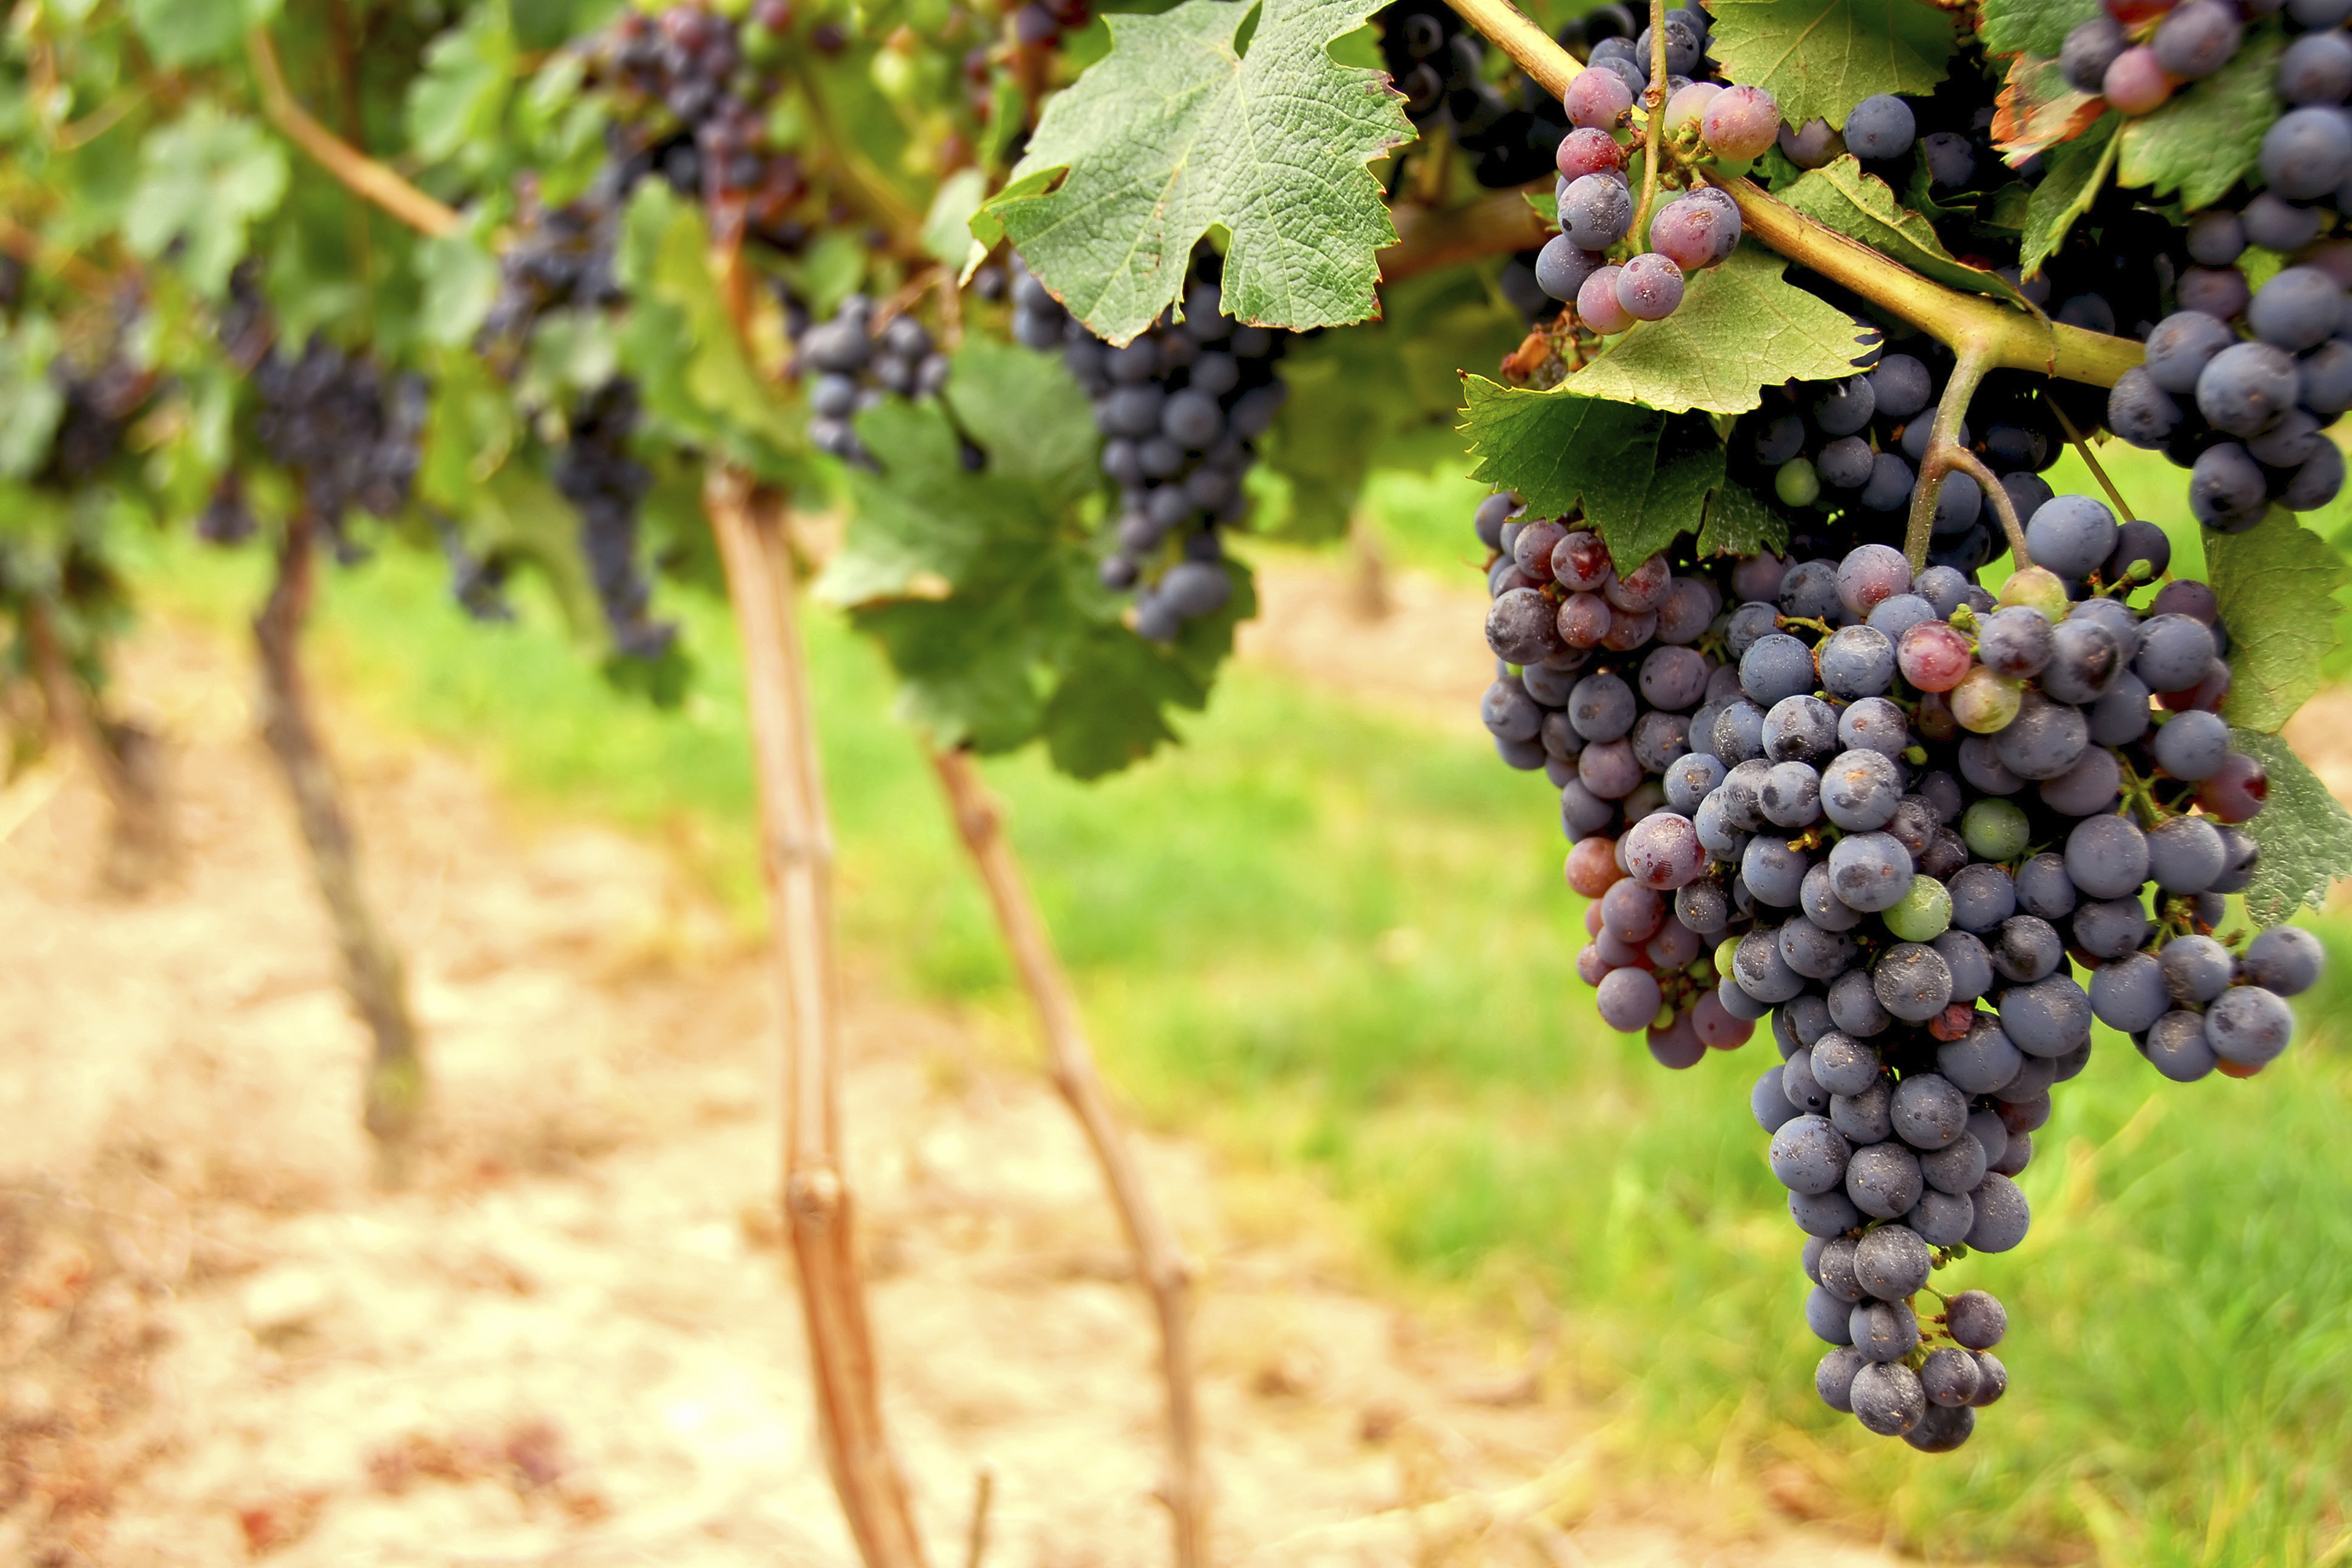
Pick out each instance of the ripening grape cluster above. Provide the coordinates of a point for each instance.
(857, 362)
(1181, 407)
(2241, 381)
(1440, 66)
(1688, 232)
(1902, 812)
(349, 435)
(606, 485)
(705, 78)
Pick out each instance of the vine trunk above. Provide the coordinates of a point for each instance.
(140, 845)
(395, 1095)
(797, 863)
(1160, 1262)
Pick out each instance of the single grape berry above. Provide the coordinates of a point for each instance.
(1739, 123)
(1881, 126)
(1698, 230)
(1650, 286)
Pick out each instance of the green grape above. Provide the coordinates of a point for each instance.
(1995, 829)
(1795, 483)
(1922, 914)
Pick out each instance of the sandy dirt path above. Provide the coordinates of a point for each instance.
(575, 1342)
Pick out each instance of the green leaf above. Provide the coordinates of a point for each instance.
(2210, 135)
(197, 32)
(2071, 183)
(1841, 197)
(30, 402)
(1382, 394)
(2305, 834)
(981, 587)
(1740, 328)
(2031, 26)
(1819, 60)
(202, 178)
(947, 228)
(699, 388)
(1739, 524)
(1639, 477)
(460, 279)
(1178, 130)
(455, 106)
(2276, 584)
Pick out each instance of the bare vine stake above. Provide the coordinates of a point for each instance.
(142, 845)
(1159, 1263)
(797, 861)
(372, 969)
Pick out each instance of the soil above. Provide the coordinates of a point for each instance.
(574, 1340)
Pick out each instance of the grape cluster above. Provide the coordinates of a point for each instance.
(1904, 805)
(99, 405)
(351, 436)
(606, 485)
(1696, 229)
(1182, 407)
(561, 257)
(478, 584)
(1439, 67)
(856, 365)
(707, 79)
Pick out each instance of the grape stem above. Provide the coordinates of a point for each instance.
(361, 174)
(1654, 133)
(2091, 462)
(2020, 341)
(1945, 453)
(1968, 463)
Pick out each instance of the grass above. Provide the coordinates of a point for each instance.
(1334, 939)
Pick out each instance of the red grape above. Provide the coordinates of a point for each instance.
(1934, 656)
(1717, 1028)
(1584, 619)
(1532, 549)
(1597, 305)
(1627, 633)
(1581, 562)
(1740, 123)
(1595, 100)
(1678, 1045)
(1644, 588)
(2136, 83)
(1592, 865)
(2236, 792)
(1590, 152)
(1649, 287)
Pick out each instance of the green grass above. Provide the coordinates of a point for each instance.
(1337, 942)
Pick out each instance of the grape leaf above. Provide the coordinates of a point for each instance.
(1640, 477)
(2031, 26)
(2037, 109)
(2305, 834)
(1818, 60)
(1740, 522)
(197, 32)
(1382, 394)
(1182, 128)
(2211, 133)
(2276, 584)
(201, 179)
(1740, 328)
(457, 104)
(980, 586)
(30, 401)
(2075, 171)
(1839, 195)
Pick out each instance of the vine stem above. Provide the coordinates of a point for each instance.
(797, 842)
(2019, 342)
(1654, 133)
(1160, 1262)
(142, 847)
(2083, 448)
(358, 172)
(1968, 463)
(1945, 453)
(373, 978)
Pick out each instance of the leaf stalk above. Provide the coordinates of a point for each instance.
(1653, 133)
